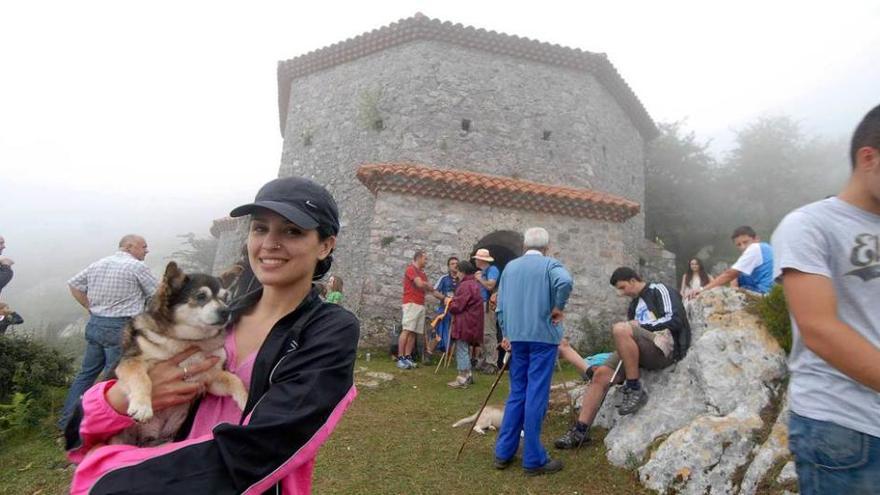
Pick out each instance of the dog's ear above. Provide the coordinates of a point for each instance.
(174, 276)
(230, 276)
(172, 281)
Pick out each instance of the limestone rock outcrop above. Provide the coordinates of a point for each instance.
(712, 423)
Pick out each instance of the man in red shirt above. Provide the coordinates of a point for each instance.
(415, 285)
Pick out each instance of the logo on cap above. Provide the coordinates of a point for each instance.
(311, 205)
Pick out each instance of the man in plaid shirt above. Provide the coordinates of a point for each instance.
(112, 289)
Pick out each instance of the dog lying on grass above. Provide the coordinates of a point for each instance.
(188, 310)
(489, 420)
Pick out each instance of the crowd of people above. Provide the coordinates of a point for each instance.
(826, 256)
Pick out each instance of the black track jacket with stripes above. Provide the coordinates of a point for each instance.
(666, 305)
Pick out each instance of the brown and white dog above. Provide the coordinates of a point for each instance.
(188, 310)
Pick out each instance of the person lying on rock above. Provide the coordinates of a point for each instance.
(655, 335)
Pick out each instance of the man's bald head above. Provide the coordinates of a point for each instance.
(134, 245)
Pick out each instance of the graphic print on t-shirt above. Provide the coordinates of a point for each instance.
(643, 314)
(865, 255)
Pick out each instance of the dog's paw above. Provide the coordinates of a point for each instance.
(240, 397)
(140, 411)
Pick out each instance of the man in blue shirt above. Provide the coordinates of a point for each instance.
(754, 268)
(533, 291)
(445, 285)
(487, 275)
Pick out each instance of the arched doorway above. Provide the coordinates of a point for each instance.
(503, 245)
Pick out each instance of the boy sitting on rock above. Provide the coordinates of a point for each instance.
(655, 335)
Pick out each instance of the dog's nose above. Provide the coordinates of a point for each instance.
(223, 313)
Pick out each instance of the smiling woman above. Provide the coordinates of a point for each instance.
(296, 352)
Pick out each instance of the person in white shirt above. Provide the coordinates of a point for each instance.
(754, 268)
(112, 290)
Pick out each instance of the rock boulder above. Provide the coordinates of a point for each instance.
(713, 414)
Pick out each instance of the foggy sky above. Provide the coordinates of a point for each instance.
(156, 118)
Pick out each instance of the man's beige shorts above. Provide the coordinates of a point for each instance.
(413, 318)
(650, 356)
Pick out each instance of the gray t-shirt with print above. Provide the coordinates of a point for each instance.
(837, 240)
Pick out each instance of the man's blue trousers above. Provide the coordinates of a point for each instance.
(531, 369)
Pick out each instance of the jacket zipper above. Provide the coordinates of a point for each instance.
(270, 383)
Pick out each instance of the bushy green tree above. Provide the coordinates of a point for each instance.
(29, 366)
(680, 184)
(774, 168)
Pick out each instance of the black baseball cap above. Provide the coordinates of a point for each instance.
(300, 200)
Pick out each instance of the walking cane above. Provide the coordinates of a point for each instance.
(610, 382)
(450, 346)
(447, 352)
(434, 324)
(498, 379)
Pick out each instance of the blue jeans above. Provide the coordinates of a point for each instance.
(462, 356)
(833, 459)
(103, 339)
(531, 368)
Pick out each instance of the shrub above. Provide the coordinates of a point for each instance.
(30, 367)
(774, 312)
(17, 415)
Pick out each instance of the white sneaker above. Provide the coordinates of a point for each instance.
(459, 382)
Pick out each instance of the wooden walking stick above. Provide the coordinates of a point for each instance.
(451, 346)
(610, 383)
(447, 352)
(480, 413)
(445, 356)
(436, 321)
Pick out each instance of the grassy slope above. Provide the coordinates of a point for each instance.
(32, 463)
(398, 439)
(395, 439)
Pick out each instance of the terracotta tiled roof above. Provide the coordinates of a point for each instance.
(495, 190)
(420, 27)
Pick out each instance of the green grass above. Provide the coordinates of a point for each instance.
(398, 439)
(32, 463)
(394, 439)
